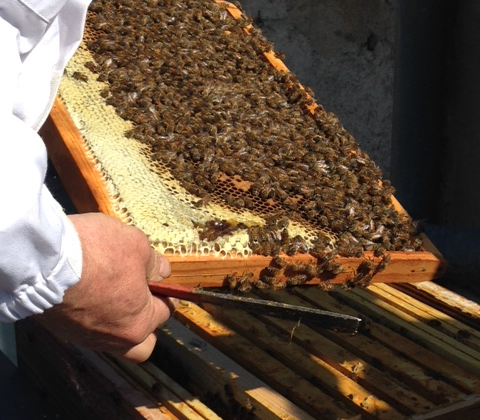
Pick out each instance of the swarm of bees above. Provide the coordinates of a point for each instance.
(196, 85)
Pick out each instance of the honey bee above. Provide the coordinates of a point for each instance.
(294, 267)
(213, 229)
(267, 249)
(280, 285)
(80, 76)
(417, 243)
(270, 271)
(272, 281)
(334, 267)
(234, 201)
(382, 264)
(244, 287)
(310, 205)
(256, 238)
(296, 245)
(321, 252)
(92, 66)
(278, 221)
(244, 283)
(291, 203)
(260, 284)
(248, 202)
(365, 266)
(365, 280)
(298, 268)
(297, 280)
(378, 250)
(266, 191)
(203, 182)
(231, 281)
(272, 235)
(350, 249)
(280, 55)
(363, 275)
(310, 270)
(326, 286)
(280, 262)
(202, 202)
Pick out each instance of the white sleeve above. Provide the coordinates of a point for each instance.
(40, 252)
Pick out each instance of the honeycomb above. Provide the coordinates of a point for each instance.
(210, 150)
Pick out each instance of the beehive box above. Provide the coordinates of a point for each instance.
(415, 357)
(417, 350)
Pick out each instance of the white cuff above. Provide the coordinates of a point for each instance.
(44, 292)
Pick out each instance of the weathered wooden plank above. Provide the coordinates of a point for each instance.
(415, 330)
(469, 409)
(382, 298)
(179, 401)
(286, 356)
(433, 317)
(323, 362)
(424, 370)
(382, 374)
(182, 394)
(216, 376)
(445, 300)
(147, 408)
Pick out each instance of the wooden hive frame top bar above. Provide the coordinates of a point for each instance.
(91, 190)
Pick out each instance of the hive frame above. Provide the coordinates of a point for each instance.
(88, 191)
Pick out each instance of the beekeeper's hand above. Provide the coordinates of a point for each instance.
(111, 308)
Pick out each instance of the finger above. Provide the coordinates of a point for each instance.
(163, 308)
(170, 302)
(158, 267)
(142, 351)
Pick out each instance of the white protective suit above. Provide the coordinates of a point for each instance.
(40, 252)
